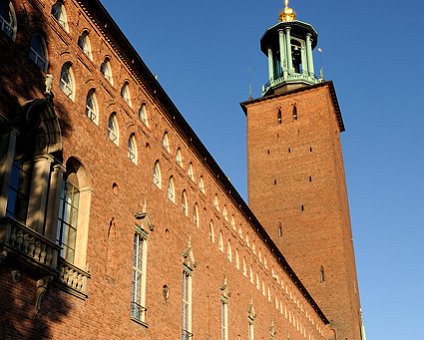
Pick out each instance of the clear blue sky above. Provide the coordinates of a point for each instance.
(374, 53)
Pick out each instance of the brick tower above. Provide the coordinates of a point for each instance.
(296, 180)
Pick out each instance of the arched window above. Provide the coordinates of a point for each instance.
(202, 185)
(190, 171)
(211, 232)
(225, 213)
(179, 158)
(171, 189)
(165, 142)
(67, 82)
(216, 202)
(59, 12)
(142, 114)
(258, 283)
(233, 223)
(184, 206)
(113, 129)
(85, 45)
(91, 107)
(125, 93)
(229, 252)
(157, 177)
(106, 70)
(38, 52)
(244, 267)
(265, 262)
(196, 219)
(237, 259)
(247, 240)
(253, 247)
(8, 19)
(240, 232)
(220, 242)
(132, 149)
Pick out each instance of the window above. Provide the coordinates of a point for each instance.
(91, 108)
(280, 230)
(251, 321)
(179, 158)
(251, 274)
(157, 177)
(220, 242)
(184, 206)
(59, 12)
(224, 318)
(68, 218)
(125, 93)
(106, 70)
(279, 117)
(165, 142)
(244, 267)
(113, 130)
(132, 149)
(138, 288)
(196, 219)
(187, 304)
(8, 19)
(142, 114)
(38, 52)
(233, 223)
(237, 259)
(229, 252)
(224, 213)
(211, 232)
(171, 189)
(190, 172)
(216, 202)
(202, 185)
(294, 114)
(258, 284)
(67, 83)
(85, 45)
(322, 275)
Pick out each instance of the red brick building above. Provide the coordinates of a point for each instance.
(117, 223)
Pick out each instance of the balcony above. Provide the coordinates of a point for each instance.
(72, 278)
(290, 78)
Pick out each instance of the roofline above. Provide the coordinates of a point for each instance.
(303, 89)
(135, 63)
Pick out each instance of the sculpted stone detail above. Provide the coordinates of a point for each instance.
(42, 286)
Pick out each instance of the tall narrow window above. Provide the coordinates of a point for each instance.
(190, 171)
(187, 304)
(229, 252)
(244, 267)
(113, 130)
(68, 218)
(196, 219)
(59, 12)
(220, 242)
(280, 230)
(202, 185)
(251, 323)
(237, 259)
(224, 318)
(322, 274)
(179, 158)
(165, 142)
(233, 223)
(142, 114)
(106, 70)
(225, 213)
(125, 93)
(67, 82)
(171, 189)
(91, 107)
(294, 114)
(132, 149)
(38, 52)
(279, 117)
(216, 202)
(211, 232)
(184, 206)
(138, 289)
(85, 45)
(157, 177)
(7, 19)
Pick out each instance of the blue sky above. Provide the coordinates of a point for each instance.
(373, 51)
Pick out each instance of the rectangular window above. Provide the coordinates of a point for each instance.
(187, 334)
(18, 194)
(224, 319)
(138, 289)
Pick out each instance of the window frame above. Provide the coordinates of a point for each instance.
(157, 175)
(40, 60)
(92, 112)
(59, 13)
(84, 44)
(113, 129)
(132, 149)
(106, 70)
(67, 87)
(9, 27)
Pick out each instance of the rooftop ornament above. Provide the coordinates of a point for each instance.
(287, 14)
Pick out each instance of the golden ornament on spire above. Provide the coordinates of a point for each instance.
(287, 14)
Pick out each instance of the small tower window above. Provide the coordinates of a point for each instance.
(196, 219)
(279, 117)
(184, 206)
(280, 230)
(294, 114)
(322, 275)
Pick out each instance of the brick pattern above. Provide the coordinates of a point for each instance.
(296, 180)
(121, 188)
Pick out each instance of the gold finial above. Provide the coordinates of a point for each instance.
(287, 14)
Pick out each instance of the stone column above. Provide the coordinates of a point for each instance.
(309, 55)
(39, 192)
(289, 52)
(56, 181)
(283, 51)
(7, 155)
(270, 65)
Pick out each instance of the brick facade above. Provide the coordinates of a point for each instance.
(90, 298)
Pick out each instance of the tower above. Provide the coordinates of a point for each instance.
(296, 180)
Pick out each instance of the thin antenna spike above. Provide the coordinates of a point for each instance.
(250, 83)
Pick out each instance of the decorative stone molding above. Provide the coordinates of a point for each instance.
(42, 285)
(16, 275)
(188, 257)
(73, 278)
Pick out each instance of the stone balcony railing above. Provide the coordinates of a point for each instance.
(39, 255)
(28, 246)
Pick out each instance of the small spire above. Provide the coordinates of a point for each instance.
(287, 14)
